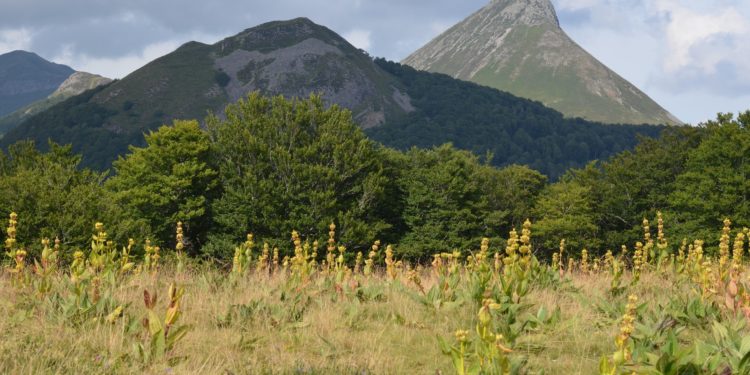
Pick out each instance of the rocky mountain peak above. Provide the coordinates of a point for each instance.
(278, 34)
(79, 82)
(518, 46)
(526, 12)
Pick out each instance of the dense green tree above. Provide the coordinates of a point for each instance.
(634, 185)
(54, 198)
(293, 164)
(639, 184)
(716, 181)
(167, 181)
(445, 208)
(510, 192)
(565, 212)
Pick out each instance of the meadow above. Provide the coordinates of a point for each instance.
(653, 307)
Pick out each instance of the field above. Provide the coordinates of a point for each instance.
(653, 308)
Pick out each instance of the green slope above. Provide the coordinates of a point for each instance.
(513, 129)
(76, 84)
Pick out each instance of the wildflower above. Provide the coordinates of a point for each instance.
(724, 249)
(623, 352)
(370, 262)
(389, 262)
(462, 335)
(584, 261)
(179, 238)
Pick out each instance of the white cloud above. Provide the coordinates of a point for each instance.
(14, 39)
(359, 38)
(114, 67)
(687, 29)
(122, 65)
(689, 55)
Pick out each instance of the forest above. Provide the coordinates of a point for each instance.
(271, 164)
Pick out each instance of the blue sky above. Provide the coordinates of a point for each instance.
(691, 56)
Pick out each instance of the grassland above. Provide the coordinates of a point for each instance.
(497, 310)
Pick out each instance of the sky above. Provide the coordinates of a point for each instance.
(691, 56)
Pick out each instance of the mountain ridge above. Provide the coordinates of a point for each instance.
(292, 58)
(25, 77)
(75, 84)
(397, 105)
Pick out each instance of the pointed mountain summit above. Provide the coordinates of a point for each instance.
(518, 46)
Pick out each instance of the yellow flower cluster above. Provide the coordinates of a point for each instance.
(623, 352)
(724, 249)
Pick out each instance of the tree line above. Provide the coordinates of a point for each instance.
(270, 165)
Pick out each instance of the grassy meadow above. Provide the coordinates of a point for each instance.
(499, 309)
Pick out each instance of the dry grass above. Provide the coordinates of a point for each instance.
(390, 334)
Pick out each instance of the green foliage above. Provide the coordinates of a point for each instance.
(444, 208)
(515, 130)
(564, 211)
(636, 184)
(451, 200)
(53, 197)
(167, 181)
(714, 183)
(510, 192)
(294, 164)
(274, 164)
(695, 175)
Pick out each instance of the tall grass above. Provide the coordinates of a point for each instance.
(498, 309)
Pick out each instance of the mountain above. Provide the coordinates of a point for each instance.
(519, 47)
(76, 84)
(290, 58)
(395, 104)
(25, 78)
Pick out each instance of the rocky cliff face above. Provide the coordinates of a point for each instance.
(77, 83)
(519, 47)
(296, 58)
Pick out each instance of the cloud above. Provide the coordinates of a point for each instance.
(689, 55)
(114, 67)
(14, 39)
(359, 38)
(669, 48)
(688, 30)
